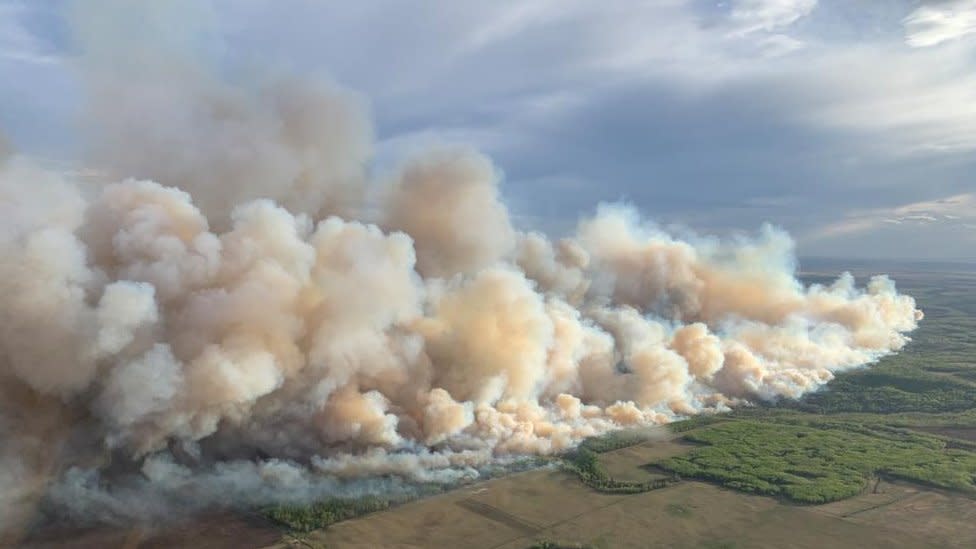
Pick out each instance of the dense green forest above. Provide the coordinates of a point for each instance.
(818, 463)
(305, 518)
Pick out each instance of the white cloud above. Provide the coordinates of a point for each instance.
(505, 23)
(953, 211)
(777, 45)
(933, 24)
(768, 15)
(910, 103)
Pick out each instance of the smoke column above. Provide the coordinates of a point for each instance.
(222, 321)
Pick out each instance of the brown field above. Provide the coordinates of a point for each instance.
(515, 511)
(947, 519)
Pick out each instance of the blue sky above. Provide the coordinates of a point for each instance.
(850, 124)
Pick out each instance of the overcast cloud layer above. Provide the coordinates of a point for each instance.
(850, 124)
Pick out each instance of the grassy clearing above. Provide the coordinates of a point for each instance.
(586, 465)
(584, 462)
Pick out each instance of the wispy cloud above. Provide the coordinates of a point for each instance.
(16, 42)
(749, 16)
(933, 24)
(953, 211)
(919, 102)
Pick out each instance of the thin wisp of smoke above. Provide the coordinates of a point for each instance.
(222, 324)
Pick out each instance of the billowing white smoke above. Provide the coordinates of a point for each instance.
(128, 325)
(211, 324)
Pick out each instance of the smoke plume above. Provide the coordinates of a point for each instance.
(226, 327)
